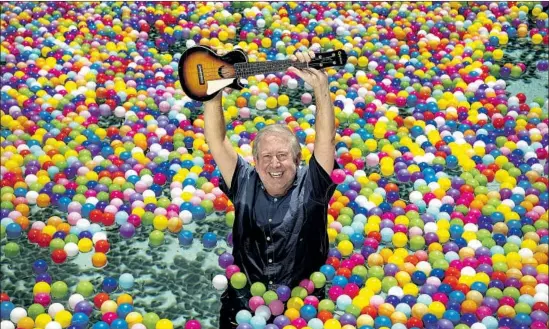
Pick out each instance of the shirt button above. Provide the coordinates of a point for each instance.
(275, 199)
(268, 239)
(270, 282)
(270, 260)
(270, 220)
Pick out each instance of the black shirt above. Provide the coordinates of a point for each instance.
(280, 240)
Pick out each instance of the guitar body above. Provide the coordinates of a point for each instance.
(203, 73)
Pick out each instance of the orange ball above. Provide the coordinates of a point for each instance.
(468, 306)
(99, 259)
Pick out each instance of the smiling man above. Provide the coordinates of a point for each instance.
(280, 228)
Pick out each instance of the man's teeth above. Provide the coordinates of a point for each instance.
(276, 174)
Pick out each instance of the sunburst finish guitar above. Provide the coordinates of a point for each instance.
(203, 73)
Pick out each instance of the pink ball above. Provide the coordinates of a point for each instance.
(255, 302)
(334, 292)
(306, 98)
(42, 298)
(338, 176)
(109, 317)
(230, 270)
(193, 324)
(311, 300)
(299, 323)
(308, 285)
(276, 307)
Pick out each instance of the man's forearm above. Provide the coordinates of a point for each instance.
(214, 122)
(325, 119)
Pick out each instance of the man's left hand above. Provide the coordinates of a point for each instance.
(315, 78)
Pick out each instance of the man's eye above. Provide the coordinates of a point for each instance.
(282, 156)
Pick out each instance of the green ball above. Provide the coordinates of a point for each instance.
(59, 290)
(462, 326)
(56, 243)
(156, 238)
(353, 309)
(35, 310)
(512, 292)
(2, 231)
(238, 280)
(84, 288)
(387, 283)
(495, 293)
(376, 272)
(147, 218)
(269, 296)
(361, 271)
(71, 238)
(150, 320)
(12, 249)
(417, 242)
(229, 219)
(299, 292)
(523, 308)
(208, 206)
(441, 263)
(326, 305)
(258, 289)
(318, 279)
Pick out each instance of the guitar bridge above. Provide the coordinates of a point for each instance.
(201, 79)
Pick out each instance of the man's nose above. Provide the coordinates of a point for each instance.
(275, 162)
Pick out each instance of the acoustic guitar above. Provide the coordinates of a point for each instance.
(203, 73)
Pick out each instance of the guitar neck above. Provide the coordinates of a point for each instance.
(322, 60)
(244, 70)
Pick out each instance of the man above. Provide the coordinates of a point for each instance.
(280, 228)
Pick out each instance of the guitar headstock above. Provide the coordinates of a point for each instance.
(329, 59)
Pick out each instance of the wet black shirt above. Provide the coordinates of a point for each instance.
(280, 240)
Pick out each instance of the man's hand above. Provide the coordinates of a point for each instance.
(315, 78)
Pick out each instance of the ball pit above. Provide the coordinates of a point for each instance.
(440, 216)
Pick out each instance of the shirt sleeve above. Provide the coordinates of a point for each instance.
(322, 186)
(241, 177)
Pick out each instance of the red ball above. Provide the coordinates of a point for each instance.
(44, 240)
(102, 246)
(100, 298)
(59, 256)
(4, 297)
(220, 204)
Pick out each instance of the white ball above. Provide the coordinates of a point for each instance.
(55, 308)
(424, 267)
(71, 249)
(264, 311)
(541, 297)
(17, 314)
(478, 325)
(53, 325)
(220, 282)
(542, 287)
(430, 227)
(186, 216)
(474, 244)
(75, 299)
(99, 236)
(7, 325)
(396, 291)
(468, 270)
(83, 224)
(292, 83)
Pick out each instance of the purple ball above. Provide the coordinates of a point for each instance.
(539, 316)
(444, 324)
(244, 326)
(83, 306)
(347, 319)
(281, 321)
(225, 259)
(127, 230)
(283, 293)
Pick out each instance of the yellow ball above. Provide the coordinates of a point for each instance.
(400, 240)
(332, 324)
(42, 320)
(133, 318)
(85, 245)
(41, 287)
(64, 318)
(108, 306)
(164, 324)
(437, 308)
(345, 247)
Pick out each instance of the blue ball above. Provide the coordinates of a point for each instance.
(119, 324)
(39, 266)
(80, 320)
(13, 231)
(209, 240)
(5, 310)
(185, 237)
(101, 325)
(109, 284)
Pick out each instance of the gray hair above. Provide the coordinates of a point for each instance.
(281, 130)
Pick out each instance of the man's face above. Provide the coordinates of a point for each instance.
(275, 164)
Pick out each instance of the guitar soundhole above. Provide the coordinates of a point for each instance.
(200, 72)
